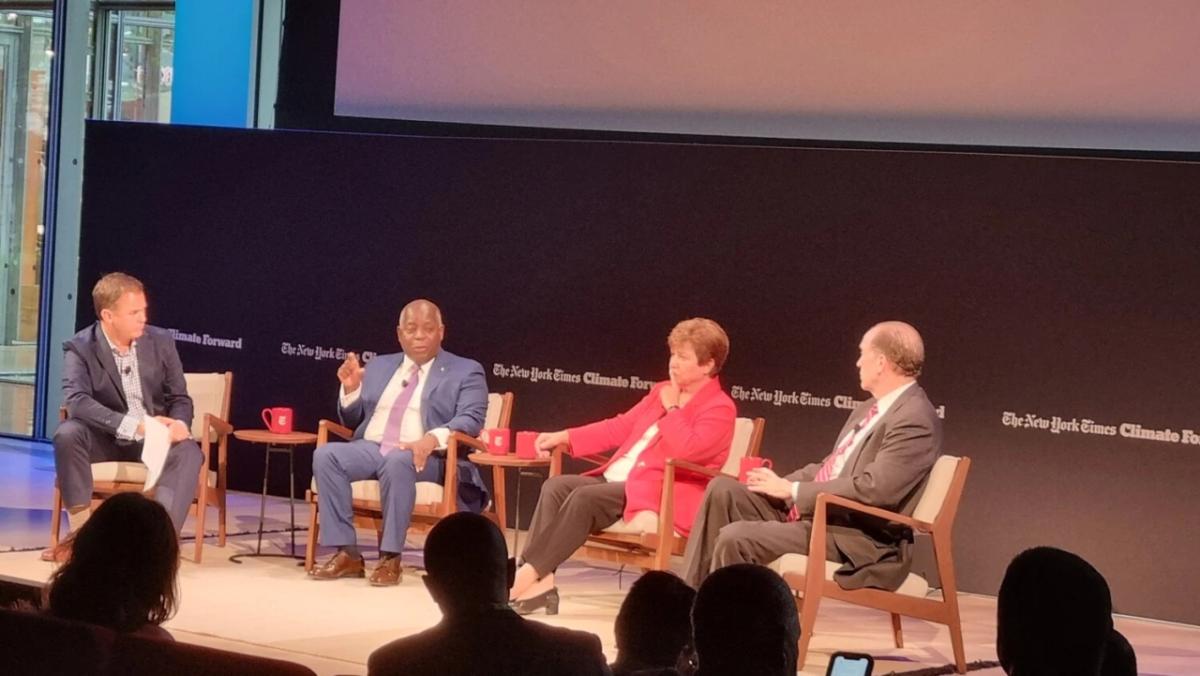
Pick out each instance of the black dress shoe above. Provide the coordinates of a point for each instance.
(547, 600)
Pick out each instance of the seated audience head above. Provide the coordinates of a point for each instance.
(1119, 658)
(467, 568)
(1054, 614)
(123, 567)
(654, 624)
(745, 622)
(699, 348)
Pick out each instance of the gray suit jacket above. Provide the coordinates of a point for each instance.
(888, 470)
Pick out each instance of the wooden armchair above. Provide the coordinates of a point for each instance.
(649, 539)
(434, 500)
(210, 393)
(812, 577)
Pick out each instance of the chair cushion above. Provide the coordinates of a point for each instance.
(743, 428)
(208, 394)
(428, 493)
(492, 417)
(936, 488)
(644, 521)
(914, 585)
(130, 472)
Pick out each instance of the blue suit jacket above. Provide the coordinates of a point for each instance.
(92, 389)
(455, 396)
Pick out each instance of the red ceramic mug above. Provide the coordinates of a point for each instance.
(748, 464)
(525, 447)
(278, 419)
(496, 439)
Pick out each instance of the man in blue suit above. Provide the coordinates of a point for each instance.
(116, 373)
(403, 408)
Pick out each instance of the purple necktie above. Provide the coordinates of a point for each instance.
(391, 433)
(826, 471)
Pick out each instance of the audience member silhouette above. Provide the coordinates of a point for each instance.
(468, 574)
(1119, 658)
(1054, 615)
(654, 624)
(122, 570)
(744, 621)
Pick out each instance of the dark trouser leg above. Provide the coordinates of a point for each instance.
(177, 486)
(725, 502)
(554, 493)
(590, 504)
(76, 447)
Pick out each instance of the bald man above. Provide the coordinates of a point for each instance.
(881, 458)
(402, 408)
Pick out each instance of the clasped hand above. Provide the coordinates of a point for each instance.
(421, 449)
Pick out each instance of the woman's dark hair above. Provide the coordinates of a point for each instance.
(122, 569)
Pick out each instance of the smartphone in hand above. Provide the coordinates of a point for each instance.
(850, 664)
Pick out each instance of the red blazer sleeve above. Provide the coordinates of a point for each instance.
(610, 433)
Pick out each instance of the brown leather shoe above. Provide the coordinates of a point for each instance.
(340, 565)
(388, 573)
(60, 552)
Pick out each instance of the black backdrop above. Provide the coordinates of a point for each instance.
(1044, 286)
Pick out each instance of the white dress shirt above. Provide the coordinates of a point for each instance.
(619, 470)
(412, 428)
(882, 405)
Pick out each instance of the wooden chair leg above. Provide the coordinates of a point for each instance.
(808, 617)
(201, 510)
(662, 555)
(897, 631)
(310, 549)
(221, 518)
(56, 516)
(954, 624)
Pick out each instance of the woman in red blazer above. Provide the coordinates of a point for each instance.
(688, 417)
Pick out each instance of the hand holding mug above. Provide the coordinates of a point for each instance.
(350, 373)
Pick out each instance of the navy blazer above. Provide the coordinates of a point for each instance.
(92, 389)
(455, 397)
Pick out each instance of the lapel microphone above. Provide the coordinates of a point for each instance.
(127, 370)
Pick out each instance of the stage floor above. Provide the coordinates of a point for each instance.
(268, 607)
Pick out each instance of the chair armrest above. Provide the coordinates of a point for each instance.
(217, 425)
(693, 467)
(829, 498)
(556, 457)
(325, 427)
(471, 442)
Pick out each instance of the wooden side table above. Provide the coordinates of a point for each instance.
(501, 463)
(275, 443)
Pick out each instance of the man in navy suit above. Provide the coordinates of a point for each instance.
(116, 373)
(402, 407)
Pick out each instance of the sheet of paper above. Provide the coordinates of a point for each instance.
(154, 450)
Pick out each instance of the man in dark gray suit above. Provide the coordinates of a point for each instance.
(116, 373)
(882, 457)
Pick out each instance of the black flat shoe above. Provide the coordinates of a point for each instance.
(547, 600)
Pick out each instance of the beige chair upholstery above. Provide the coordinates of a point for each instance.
(433, 500)
(934, 515)
(210, 394)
